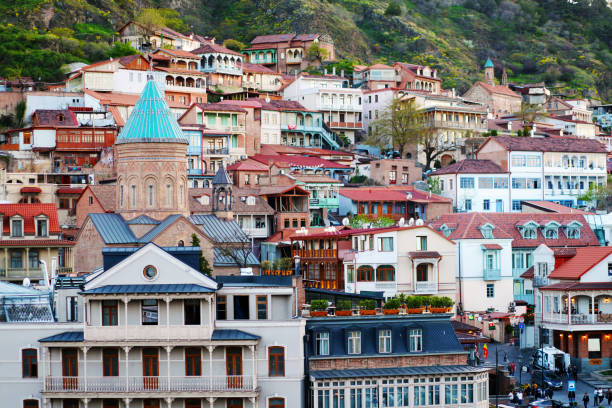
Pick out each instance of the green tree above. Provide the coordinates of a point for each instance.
(316, 53)
(149, 20)
(393, 9)
(234, 44)
(434, 185)
(529, 112)
(204, 265)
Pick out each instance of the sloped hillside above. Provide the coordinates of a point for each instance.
(567, 44)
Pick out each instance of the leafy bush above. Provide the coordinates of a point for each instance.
(266, 265)
(367, 304)
(344, 304)
(286, 264)
(234, 44)
(414, 302)
(319, 304)
(392, 304)
(443, 301)
(393, 9)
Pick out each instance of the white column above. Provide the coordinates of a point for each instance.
(126, 402)
(167, 300)
(569, 308)
(593, 317)
(210, 369)
(85, 349)
(126, 349)
(254, 354)
(125, 315)
(168, 351)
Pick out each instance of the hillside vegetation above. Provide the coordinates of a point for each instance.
(567, 44)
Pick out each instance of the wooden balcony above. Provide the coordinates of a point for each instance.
(346, 125)
(149, 385)
(315, 253)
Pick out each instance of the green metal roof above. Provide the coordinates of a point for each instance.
(151, 121)
(489, 63)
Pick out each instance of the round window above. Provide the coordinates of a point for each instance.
(150, 272)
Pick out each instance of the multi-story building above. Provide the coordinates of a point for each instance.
(395, 171)
(286, 53)
(417, 77)
(377, 76)
(304, 164)
(570, 126)
(323, 195)
(475, 185)
(222, 66)
(552, 169)
(602, 115)
(504, 243)
(341, 105)
(291, 205)
(141, 38)
(158, 333)
(532, 94)
(576, 109)
(263, 123)
(573, 309)
(31, 233)
(390, 361)
(261, 79)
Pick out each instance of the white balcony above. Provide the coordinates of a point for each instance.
(150, 385)
(427, 287)
(161, 332)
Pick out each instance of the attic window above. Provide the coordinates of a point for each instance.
(42, 227)
(551, 233)
(446, 230)
(572, 233)
(487, 231)
(60, 117)
(17, 227)
(250, 200)
(529, 233)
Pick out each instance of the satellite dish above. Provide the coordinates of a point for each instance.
(411, 221)
(419, 222)
(345, 222)
(26, 282)
(401, 222)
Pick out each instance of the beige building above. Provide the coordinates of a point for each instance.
(395, 171)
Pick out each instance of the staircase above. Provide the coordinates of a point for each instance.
(330, 138)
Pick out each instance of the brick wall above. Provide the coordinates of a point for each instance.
(384, 362)
(88, 249)
(84, 207)
(435, 210)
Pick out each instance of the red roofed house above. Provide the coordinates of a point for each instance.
(260, 78)
(222, 66)
(286, 53)
(574, 304)
(500, 100)
(494, 249)
(392, 202)
(377, 76)
(418, 77)
(31, 233)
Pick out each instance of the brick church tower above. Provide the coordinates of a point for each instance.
(151, 160)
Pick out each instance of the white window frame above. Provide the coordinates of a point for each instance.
(415, 338)
(322, 337)
(354, 342)
(20, 219)
(385, 341)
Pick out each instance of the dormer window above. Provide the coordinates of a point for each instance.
(446, 230)
(322, 343)
(551, 230)
(415, 339)
(60, 117)
(250, 200)
(42, 226)
(354, 342)
(17, 227)
(529, 230)
(572, 230)
(384, 341)
(487, 231)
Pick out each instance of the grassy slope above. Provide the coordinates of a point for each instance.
(568, 45)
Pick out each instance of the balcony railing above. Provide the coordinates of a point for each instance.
(62, 270)
(315, 253)
(578, 318)
(539, 281)
(350, 125)
(324, 202)
(137, 332)
(223, 150)
(426, 287)
(456, 125)
(21, 273)
(149, 384)
(491, 274)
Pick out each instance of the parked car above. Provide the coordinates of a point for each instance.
(545, 403)
(547, 379)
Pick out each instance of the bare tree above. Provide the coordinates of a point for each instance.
(238, 251)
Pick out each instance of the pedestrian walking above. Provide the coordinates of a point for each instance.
(571, 397)
(585, 400)
(609, 396)
(595, 397)
(575, 372)
(519, 396)
(600, 395)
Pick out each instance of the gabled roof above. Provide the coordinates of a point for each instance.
(298, 161)
(143, 220)
(209, 48)
(273, 38)
(549, 206)
(158, 229)
(585, 259)
(148, 288)
(151, 120)
(178, 53)
(468, 227)
(497, 89)
(538, 144)
(221, 177)
(469, 166)
(28, 212)
(489, 63)
(248, 67)
(248, 165)
(239, 206)
(105, 194)
(51, 117)
(113, 229)
(219, 230)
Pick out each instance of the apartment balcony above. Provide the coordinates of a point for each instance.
(220, 69)
(426, 287)
(517, 272)
(216, 152)
(314, 253)
(20, 273)
(324, 203)
(149, 385)
(294, 60)
(491, 274)
(578, 321)
(256, 232)
(445, 124)
(158, 332)
(345, 125)
(340, 107)
(539, 281)
(305, 128)
(184, 88)
(527, 297)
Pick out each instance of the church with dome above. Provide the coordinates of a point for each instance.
(151, 199)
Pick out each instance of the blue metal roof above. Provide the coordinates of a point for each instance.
(395, 371)
(151, 121)
(149, 236)
(144, 220)
(221, 177)
(489, 63)
(232, 334)
(113, 229)
(11, 289)
(438, 334)
(188, 255)
(220, 230)
(69, 282)
(69, 336)
(151, 288)
(223, 259)
(255, 280)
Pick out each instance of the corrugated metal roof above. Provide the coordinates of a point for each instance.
(220, 230)
(255, 280)
(223, 259)
(143, 219)
(151, 120)
(11, 289)
(69, 336)
(149, 236)
(152, 288)
(113, 229)
(396, 371)
(232, 334)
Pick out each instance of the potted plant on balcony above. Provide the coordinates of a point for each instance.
(285, 265)
(442, 304)
(318, 307)
(344, 308)
(265, 266)
(276, 266)
(415, 304)
(391, 306)
(367, 307)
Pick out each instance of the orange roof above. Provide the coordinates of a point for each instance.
(498, 89)
(584, 260)
(248, 165)
(116, 116)
(28, 212)
(179, 53)
(380, 66)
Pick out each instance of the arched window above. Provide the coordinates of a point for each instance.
(365, 273)
(385, 273)
(150, 193)
(168, 194)
(133, 195)
(121, 196)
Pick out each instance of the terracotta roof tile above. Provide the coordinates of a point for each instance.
(471, 167)
(69, 190)
(549, 206)
(559, 144)
(424, 254)
(585, 259)
(498, 89)
(272, 38)
(492, 246)
(220, 107)
(248, 165)
(575, 286)
(51, 117)
(30, 189)
(248, 67)
(105, 195)
(394, 193)
(302, 161)
(215, 48)
(238, 206)
(179, 53)
(28, 212)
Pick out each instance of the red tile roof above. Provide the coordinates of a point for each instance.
(549, 206)
(424, 254)
(537, 144)
(468, 224)
(528, 274)
(105, 194)
(492, 246)
(36, 242)
(469, 166)
(51, 117)
(30, 190)
(585, 259)
(179, 53)
(248, 165)
(273, 38)
(212, 48)
(578, 286)
(226, 107)
(380, 66)
(301, 161)
(28, 212)
(69, 190)
(498, 89)
(248, 67)
(393, 193)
